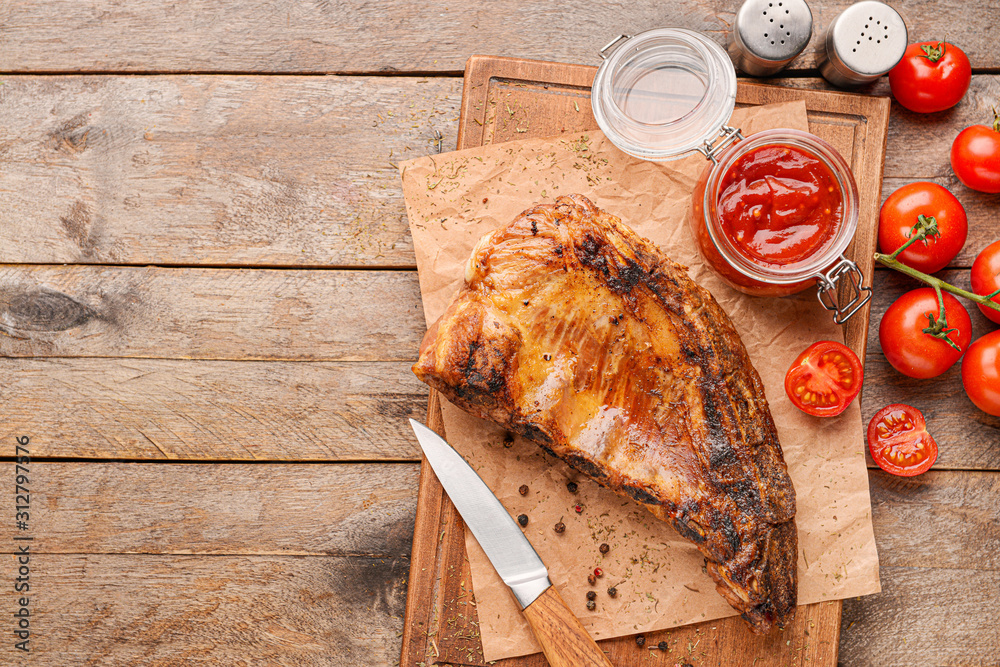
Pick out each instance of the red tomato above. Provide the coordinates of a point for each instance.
(975, 157)
(824, 379)
(986, 277)
(932, 76)
(901, 212)
(981, 373)
(913, 352)
(899, 441)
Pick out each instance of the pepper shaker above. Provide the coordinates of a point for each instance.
(866, 41)
(769, 34)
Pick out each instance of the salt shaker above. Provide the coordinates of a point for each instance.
(768, 34)
(863, 43)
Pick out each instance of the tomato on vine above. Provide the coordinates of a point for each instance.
(899, 441)
(923, 337)
(927, 221)
(932, 76)
(975, 156)
(981, 373)
(986, 278)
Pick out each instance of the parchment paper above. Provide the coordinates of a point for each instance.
(452, 200)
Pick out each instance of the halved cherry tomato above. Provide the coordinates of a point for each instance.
(899, 441)
(903, 210)
(932, 76)
(986, 277)
(824, 379)
(981, 373)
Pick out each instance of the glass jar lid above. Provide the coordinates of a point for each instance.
(663, 93)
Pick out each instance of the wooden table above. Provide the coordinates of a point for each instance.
(209, 308)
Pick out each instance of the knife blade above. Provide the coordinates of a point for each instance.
(564, 640)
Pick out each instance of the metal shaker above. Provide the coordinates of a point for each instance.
(768, 34)
(863, 43)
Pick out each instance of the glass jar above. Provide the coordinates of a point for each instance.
(665, 93)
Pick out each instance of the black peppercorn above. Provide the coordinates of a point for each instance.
(640, 641)
(663, 646)
(604, 548)
(591, 595)
(560, 527)
(591, 579)
(523, 490)
(571, 487)
(591, 605)
(613, 592)
(522, 519)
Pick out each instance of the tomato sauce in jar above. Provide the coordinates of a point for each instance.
(775, 212)
(779, 205)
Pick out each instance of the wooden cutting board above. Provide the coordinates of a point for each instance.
(506, 99)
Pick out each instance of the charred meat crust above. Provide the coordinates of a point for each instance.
(744, 521)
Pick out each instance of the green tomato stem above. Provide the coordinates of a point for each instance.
(896, 265)
(939, 329)
(926, 226)
(933, 53)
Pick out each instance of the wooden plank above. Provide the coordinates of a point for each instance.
(925, 617)
(198, 410)
(544, 94)
(220, 610)
(967, 437)
(354, 36)
(253, 518)
(132, 174)
(237, 509)
(942, 520)
(230, 170)
(98, 311)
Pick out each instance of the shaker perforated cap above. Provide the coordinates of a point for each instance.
(867, 40)
(768, 34)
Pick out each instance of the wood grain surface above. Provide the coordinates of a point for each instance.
(198, 164)
(210, 410)
(274, 410)
(219, 610)
(361, 509)
(191, 170)
(331, 541)
(194, 313)
(233, 170)
(390, 36)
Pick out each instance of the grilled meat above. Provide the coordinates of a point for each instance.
(576, 333)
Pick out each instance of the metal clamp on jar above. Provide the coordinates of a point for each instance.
(666, 93)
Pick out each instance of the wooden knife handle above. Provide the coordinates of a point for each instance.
(564, 640)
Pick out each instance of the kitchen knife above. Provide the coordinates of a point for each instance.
(564, 640)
